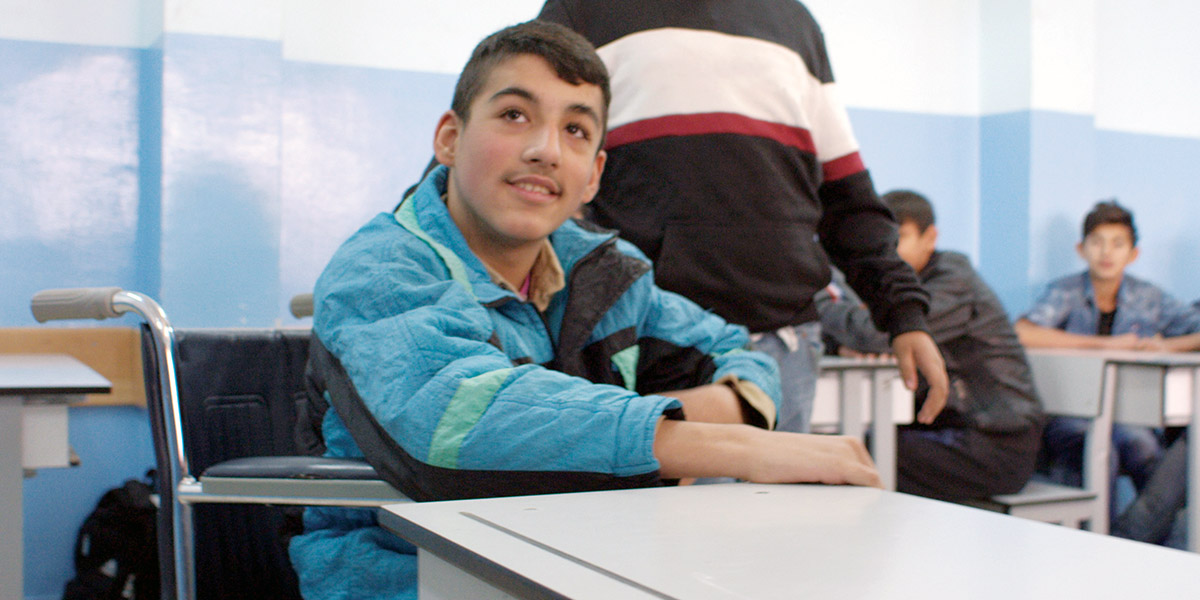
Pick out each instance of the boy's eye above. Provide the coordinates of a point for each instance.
(579, 131)
(512, 114)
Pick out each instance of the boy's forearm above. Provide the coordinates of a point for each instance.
(1183, 343)
(694, 449)
(712, 403)
(1036, 336)
(689, 449)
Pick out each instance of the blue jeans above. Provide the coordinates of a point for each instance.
(798, 353)
(1152, 515)
(1136, 451)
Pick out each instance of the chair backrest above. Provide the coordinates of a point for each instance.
(238, 393)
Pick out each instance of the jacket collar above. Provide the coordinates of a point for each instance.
(426, 216)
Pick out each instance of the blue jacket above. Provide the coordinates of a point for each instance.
(479, 394)
(1069, 304)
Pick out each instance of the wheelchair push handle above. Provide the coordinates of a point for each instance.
(74, 303)
(301, 305)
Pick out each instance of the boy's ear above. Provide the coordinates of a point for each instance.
(593, 185)
(445, 138)
(931, 235)
(1079, 250)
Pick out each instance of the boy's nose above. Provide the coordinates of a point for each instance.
(543, 146)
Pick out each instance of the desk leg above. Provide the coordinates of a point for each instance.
(1193, 495)
(883, 428)
(12, 545)
(440, 580)
(1097, 448)
(850, 392)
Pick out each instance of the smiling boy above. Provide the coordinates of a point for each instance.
(1107, 308)
(481, 343)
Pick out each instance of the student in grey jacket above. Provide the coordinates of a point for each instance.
(986, 440)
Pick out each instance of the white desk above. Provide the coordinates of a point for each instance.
(1148, 388)
(34, 392)
(852, 392)
(764, 542)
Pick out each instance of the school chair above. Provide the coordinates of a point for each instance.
(1062, 504)
(223, 409)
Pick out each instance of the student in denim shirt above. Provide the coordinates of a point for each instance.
(1105, 308)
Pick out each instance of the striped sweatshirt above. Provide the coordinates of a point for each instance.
(732, 163)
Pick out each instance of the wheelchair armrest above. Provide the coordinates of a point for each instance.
(293, 467)
(291, 480)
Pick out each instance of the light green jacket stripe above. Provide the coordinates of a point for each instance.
(406, 216)
(466, 407)
(626, 362)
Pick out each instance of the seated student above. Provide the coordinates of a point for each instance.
(1105, 307)
(491, 346)
(985, 442)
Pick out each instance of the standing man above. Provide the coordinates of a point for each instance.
(732, 165)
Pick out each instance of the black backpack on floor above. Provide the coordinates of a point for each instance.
(116, 551)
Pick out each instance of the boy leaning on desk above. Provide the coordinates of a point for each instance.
(495, 347)
(1106, 308)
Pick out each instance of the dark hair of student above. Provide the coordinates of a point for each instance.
(1108, 212)
(908, 205)
(571, 56)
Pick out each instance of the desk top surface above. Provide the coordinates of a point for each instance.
(1124, 357)
(839, 363)
(27, 374)
(760, 541)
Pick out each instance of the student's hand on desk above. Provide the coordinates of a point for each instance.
(810, 458)
(916, 351)
(1125, 341)
(691, 449)
(1154, 343)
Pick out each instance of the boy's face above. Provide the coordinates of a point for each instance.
(1108, 249)
(527, 159)
(916, 246)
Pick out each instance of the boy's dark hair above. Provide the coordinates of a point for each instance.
(908, 205)
(1108, 212)
(571, 56)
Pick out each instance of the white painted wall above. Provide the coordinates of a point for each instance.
(121, 23)
(914, 56)
(1148, 58)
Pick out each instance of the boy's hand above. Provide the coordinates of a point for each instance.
(1125, 341)
(1154, 343)
(807, 458)
(692, 449)
(916, 350)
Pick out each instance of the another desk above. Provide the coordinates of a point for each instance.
(34, 392)
(1148, 388)
(852, 392)
(761, 541)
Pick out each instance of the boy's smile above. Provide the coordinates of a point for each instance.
(524, 161)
